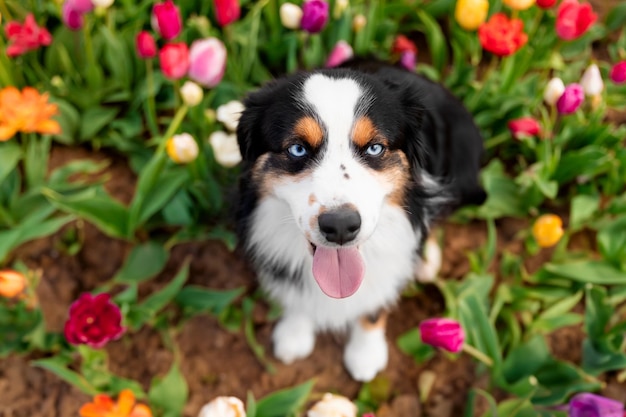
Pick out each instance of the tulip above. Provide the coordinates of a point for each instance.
(167, 20)
(408, 60)
(174, 60)
(105, 406)
(12, 283)
(191, 93)
(226, 11)
(80, 6)
(207, 58)
(314, 15)
(524, 127)
(591, 81)
(554, 90)
(145, 44)
(94, 320)
(230, 113)
(26, 37)
(290, 15)
(571, 99)
(358, 23)
(519, 4)
(340, 54)
(333, 406)
(71, 18)
(103, 4)
(591, 405)
(443, 333)
(573, 19)
(225, 148)
(223, 407)
(547, 230)
(403, 44)
(618, 73)
(470, 14)
(546, 4)
(340, 7)
(502, 36)
(182, 148)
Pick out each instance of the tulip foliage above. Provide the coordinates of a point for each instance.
(159, 84)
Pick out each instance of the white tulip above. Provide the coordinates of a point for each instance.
(592, 81)
(191, 93)
(182, 148)
(554, 90)
(225, 148)
(290, 15)
(223, 407)
(230, 113)
(333, 406)
(102, 3)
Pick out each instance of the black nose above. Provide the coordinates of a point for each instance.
(340, 225)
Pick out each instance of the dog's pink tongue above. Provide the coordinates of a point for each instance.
(338, 272)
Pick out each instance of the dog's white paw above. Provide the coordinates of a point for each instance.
(427, 269)
(366, 353)
(294, 338)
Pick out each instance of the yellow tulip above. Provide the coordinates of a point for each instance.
(470, 14)
(519, 4)
(12, 283)
(548, 230)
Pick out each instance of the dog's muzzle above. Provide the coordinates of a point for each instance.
(340, 225)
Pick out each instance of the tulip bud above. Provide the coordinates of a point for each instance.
(554, 90)
(470, 14)
(443, 333)
(333, 406)
(12, 283)
(290, 15)
(358, 22)
(519, 4)
(182, 148)
(571, 99)
(166, 19)
(548, 230)
(81, 6)
(573, 19)
(587, 404)
(340, 7)
(546, 4)
(71, 18)
(340, 54)
(191, 93)
(226, 11)
(314, 15)
(524, 127)
(223, 407)
(591, 81)
(618, 73)
(207, 58)
(103, 4)
(225, 148)
(174, 60)
(230, 113)
(145, 44)
(408, 60)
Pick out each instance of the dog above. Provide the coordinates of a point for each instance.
(344, 172)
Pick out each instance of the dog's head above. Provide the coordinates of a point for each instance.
(336, 146)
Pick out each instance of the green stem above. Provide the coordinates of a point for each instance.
(477, 354)
(5, 11)
(151, 113)
(178, 118)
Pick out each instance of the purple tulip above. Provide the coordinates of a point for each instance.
(408, 60)
(71, 17)
(314, 15)
(571, 99)
(443, 333)
(207, 61)
(591, 405)
(618, 73)
(340, 54)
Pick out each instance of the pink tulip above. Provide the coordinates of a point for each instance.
(71, 17)
(340, 54)
(571, 99)
(207, 59)
(174, 60)
(80, 6)
(443, 333)
(573, 19)
(408, 60)
(146, 46)
(166, 19)
(618, 73)
(226, 11)
(524, 127)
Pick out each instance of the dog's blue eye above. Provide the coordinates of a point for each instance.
(297, 151)
(375, 149)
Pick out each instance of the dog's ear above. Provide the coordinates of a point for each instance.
(249, 129)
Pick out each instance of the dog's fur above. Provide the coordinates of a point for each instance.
(311, 144)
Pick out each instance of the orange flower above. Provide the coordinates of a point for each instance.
(548, 230)
(26, 111)
(502, 36)
(12, 283)
(104, 406)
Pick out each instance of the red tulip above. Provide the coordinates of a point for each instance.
(502, 36)
(403, 44)
(26, 37)
(524, 126)
(93, 321)
(546, 4)
(167, 20)
(573, 19)
(174, 60)
(226, 11)
(443, 333)
(146, 46)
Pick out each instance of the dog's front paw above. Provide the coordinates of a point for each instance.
(294, 338)
(427, 269)
(366, 353)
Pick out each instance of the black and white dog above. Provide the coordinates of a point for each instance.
(344, 171)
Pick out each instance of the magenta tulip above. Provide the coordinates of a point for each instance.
(166, 19)
(443, 333)
(145, 44)
(80, 6)
(174, 60)
(227, 11)
(571, 99)
(207, 58)
(314, 15)
(618, 73)
(524, 127)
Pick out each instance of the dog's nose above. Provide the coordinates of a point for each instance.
(340, 225)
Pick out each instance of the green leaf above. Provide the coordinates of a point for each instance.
(411, 344)
(69, 119)
(10, 155)
(195, 299)
(481, 333)
(144, 262)
(285, 402)
(583, 207)
(612, 241)
(616, 18)
(147, 180)
(525, 359)
(95, 119)
(558, 380)
(169, 183)
(160, 299)
(170, 393)
(58, 366)
(436, 40)
(593, 272)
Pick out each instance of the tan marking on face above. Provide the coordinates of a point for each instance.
(363, 131)
(312, 199)
(399, 176)
(266, 179)
(380, 322)
(310, 131)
